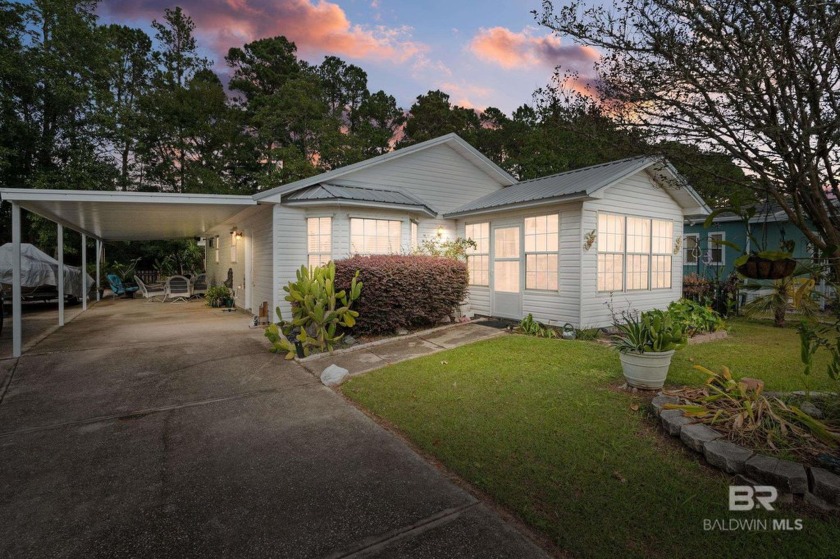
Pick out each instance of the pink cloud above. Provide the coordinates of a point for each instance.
(509, 50)
(316, 26)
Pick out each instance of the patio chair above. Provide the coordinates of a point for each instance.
(178, 289)
(151, 292)
(199, 285)
(117, 287)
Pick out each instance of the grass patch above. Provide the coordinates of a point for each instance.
(539, 425)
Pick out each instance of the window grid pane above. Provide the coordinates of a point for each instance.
(375, 236)
(541, 246)
(610, 272)
(660, 276)
(319, 240)
(478, 258)
(663, 234)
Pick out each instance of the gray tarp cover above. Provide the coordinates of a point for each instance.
(39, 268)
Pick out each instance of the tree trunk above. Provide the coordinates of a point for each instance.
(779, 315)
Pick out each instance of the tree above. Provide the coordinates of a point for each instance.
(757, 81)
(432, 115)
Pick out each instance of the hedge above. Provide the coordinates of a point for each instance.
(403, 291)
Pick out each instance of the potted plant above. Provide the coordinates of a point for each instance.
(646, 345)
(758, 264)
(217, 295)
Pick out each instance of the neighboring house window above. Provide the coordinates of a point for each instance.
(541, 245)
(319, 240)
(478, 258)
(413, 235)
(716, 255)
(638, 253)
(634, 253)
(375, 236)
(661, 253)
(690, 249)
(216, 248)
(610, 252)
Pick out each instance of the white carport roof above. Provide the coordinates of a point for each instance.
(130, 216)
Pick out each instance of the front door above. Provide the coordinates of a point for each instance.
(507, 296)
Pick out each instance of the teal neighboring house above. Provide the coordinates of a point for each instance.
(703, 256)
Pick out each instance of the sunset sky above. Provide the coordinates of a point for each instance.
(483, 53)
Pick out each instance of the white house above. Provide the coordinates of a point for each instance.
(559, 247)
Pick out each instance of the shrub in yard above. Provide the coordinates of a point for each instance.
(697, 318)
(403, 291)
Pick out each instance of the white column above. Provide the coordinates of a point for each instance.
(17, 323)
(84, 272)
(60, 279)
(98, 264)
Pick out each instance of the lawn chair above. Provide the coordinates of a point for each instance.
(151, 292)
(117, 287)
(199, 285)
(178, 289)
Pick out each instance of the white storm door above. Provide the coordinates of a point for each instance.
(507, 272)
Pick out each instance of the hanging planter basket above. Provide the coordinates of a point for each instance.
(757, 267)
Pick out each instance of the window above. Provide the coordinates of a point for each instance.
(319, 240)
(216, 248)
(414, 235)
(661, 254)
(233, 243)
(716, 256)
(506, 260)
(541, 245)
(691, 249)
(478, 258)
(610, 252)
(634, 253)
(375, 236)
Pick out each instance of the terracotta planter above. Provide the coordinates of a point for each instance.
(646, 370)
(761, 268)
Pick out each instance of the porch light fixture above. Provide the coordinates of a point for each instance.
(440, 232)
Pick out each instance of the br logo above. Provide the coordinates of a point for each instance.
(747, 497)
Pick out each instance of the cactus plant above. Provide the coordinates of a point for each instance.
(319, 312)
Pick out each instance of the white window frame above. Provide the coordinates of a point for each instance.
(414, 228)
(216, 241)
(625, 253)
(478, 252)
(667, 252)
(555, 253)
(318, 254)
(696, 256)
(394, 248)
(712, 245)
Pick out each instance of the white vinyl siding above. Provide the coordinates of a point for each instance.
(541, 247)
(636, 195)
(478, 258)
(375, 236)
(319, 240)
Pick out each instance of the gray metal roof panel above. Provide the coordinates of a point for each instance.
(579, 182)
(336, 192)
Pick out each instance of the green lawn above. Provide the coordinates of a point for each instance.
(539, 425)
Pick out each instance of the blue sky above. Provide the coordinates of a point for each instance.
(488, 53)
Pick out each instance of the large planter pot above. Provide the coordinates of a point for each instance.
(646, 370)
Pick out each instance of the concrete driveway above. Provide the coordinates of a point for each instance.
(167, 430)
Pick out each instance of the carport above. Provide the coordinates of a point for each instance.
(112, 216)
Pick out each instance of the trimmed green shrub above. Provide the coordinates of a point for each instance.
(403, 291)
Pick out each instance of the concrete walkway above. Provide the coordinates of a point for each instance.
(367, 357)
(168, 430)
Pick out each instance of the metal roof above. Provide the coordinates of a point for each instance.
(131, 216)
(452, 140)
(579, 183)
(335, 193)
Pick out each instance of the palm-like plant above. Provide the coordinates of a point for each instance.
(796, 291)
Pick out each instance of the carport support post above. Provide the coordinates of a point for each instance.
(17, 323)
(60, 278)
(84, 272)
(98, 262)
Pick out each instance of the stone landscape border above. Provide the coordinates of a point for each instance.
(816, 486)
